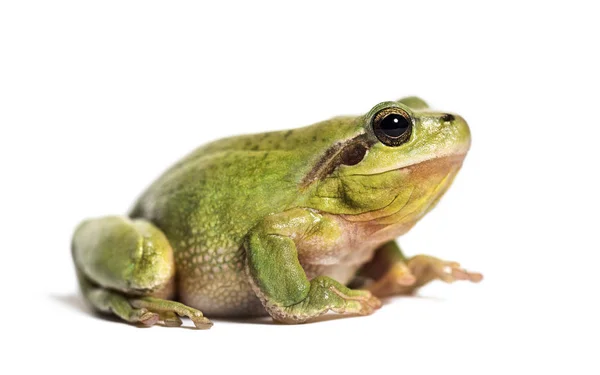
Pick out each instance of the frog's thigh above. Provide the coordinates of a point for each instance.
(131, 256)
(122, 264)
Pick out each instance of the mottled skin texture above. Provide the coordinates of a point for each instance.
(278, 223)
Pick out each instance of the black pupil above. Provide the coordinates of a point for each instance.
(394, 125)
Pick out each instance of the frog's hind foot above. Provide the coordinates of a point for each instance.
(169, 312)
(110, 302)
(145, 311)
(170, 319)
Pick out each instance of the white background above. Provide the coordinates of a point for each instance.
(98, 98)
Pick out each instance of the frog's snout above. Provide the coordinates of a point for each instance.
(458, 130)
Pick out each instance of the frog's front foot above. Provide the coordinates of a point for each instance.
(393, 274)
(397, 280)
(327, 294)
(405, 278)
(427, 268)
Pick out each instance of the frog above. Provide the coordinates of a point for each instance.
(291, 224)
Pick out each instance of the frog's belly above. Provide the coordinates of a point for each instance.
(214, 281)
(222, 289)
(339, 272)
(227, 295)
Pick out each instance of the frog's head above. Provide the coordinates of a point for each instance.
(391, 166)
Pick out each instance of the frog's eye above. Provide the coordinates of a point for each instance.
(392, 126)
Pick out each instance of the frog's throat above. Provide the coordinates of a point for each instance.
(429, 180)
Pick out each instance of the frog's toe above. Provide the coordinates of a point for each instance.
(369, 304)
(427, 268)
(451, 271)
(361, 302)
(148, 318)
(170, 319)
(202, 323)
(170, 311)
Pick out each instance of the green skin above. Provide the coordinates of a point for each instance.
(278, 223)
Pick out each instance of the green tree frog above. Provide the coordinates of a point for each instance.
(292, 223)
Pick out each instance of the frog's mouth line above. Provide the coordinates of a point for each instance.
(427, 164)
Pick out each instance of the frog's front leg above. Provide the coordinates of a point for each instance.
(394, 274)
(123, 266)
(278, 278)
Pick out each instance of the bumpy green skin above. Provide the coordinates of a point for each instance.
(259, 223)
(208, 203)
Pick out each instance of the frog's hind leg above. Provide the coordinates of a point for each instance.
(125, 267)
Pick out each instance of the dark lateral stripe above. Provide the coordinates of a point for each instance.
(331, 160)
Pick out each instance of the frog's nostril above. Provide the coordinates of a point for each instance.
(448, 117)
